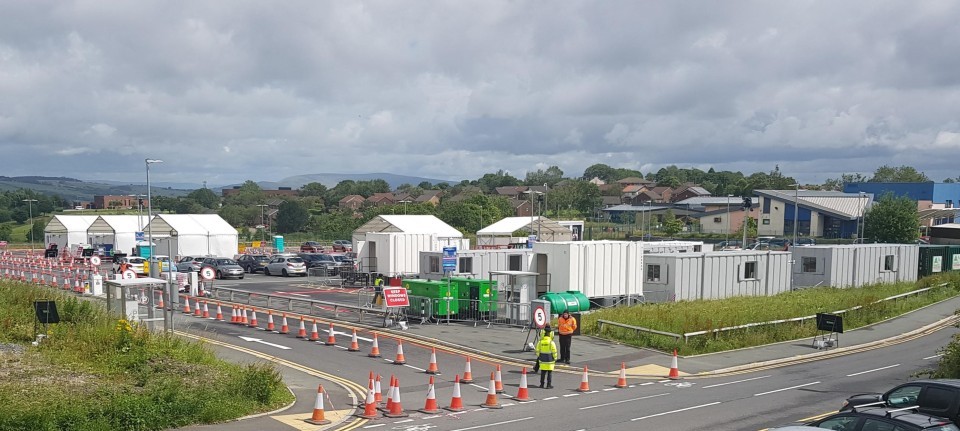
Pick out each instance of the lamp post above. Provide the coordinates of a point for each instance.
(139, 210)
(530, 193)
(726, 234)
(405, 202)
(30, 212)
(263, 225)
(861, 222)
(149, 162)
(796, 210)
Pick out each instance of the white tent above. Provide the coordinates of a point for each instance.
(64, 230)
(193, 235)
(117, 230)
(501, 232)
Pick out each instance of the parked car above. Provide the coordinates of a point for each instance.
(312, 260)
(165, 264)
(881, 418)
(253, 263)
(136, 264)
(286, 265)
(224, 267)
(731, 244)
(190, 264)
(332, 263)
(311, 247)
(806, 242)
(938, 397)
(342, 245)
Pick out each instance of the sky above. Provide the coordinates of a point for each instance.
(225, 91)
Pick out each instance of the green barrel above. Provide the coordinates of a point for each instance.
(573, 301)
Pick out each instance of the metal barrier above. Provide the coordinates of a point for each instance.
(140, 304)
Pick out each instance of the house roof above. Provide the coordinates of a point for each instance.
(404, 196)
(349, 198)
(711, 200)
(509, 225)
(427, 195)
(423, 224)
(611, 200)
(932, 213)
(660, 190)
(69, 223)
(696, 189)
(114, 224)
(511, 190)
(633, 180)
(632, 188)
(637, 208)
(377, 197)
(650, 194)
(191, 224)
(840, 204)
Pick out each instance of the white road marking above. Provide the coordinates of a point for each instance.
(624, 401)
(934, 356)
(663, 381)
(550, 398)
(480, 387)
(404, 421)
(875, 369)
(593, 392)
(432, 417)
(495, 424)
(373, 426)
(610, 389)
(738, 381)
(645, 384)
(415, 368)
(299, 294)
(257, 340)
(359, 338)
(675, 411)
(571, 395)
(508, 405)
(785, 389)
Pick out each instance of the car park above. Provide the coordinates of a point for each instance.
(253, 263)
(311, 247)
(190, 264)
(136, 264)
(224, 267)
(342, 245)
(937, 397)
(286, 265)
(873, 418)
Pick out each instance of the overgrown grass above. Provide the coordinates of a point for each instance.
(95, 372)
(691, 316)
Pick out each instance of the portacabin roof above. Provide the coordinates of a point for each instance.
(425, 224)
(69, 223)
(113, 224)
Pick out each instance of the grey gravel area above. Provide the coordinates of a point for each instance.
(11, 348)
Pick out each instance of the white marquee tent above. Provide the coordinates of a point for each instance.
(193, 235)
(117, 230)
(65, 230)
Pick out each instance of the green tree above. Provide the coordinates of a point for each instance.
(902, 174)
(38, 227)
(6, 232)
(751, 229)
(313, 189)
(550, 176)
(671, 224)
(601, 171)
(836, 184)
(205, 197)
(582, 196)
(291, 217)
(892, 219)
(489, 182)
(249, 193)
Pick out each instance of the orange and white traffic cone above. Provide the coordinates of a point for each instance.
(206, 310)
(369, 407)
(492, 402)
(396, 411)
(354, 344)
(433, 368)
(284, 329)
(674, 369)
(375, 349)
(314, 334)
(389, 405)
(399, 360)
(243, 316)
(430, 406)
(186, 305)
(622, 380)
(197, 311)
(219, 313)
(302, 332)
(253, 318)
(584, 382)
(467, 373)
(331, 340)
(456, 402)
(270, 325)
(234, 317)
(523, 394)
(317, 418)
(498, 380)
(377, 390)
(159, 296)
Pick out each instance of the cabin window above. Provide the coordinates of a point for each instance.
(434, 264)
(516, 262)
(889, 263)
(809, 264)
(717, 220)
(466, 265)
(653, 273)
(750, 270)
(766, 221)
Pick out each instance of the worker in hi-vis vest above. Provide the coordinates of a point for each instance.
(566, 326)
(546, 357)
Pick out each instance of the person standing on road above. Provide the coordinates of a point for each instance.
(378, 290)
(546, 355)
(566, 327)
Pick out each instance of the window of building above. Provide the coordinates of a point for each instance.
(697, 248)
(466, 265)
(889, 263)
(515, 262)
(766, 221)
(434, 264)
(808, 264)
(717, 220)
(653, 273)
(766, 206)
(750, 270)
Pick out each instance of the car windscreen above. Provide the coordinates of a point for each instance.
(226, 262)
(261, 258)
(340, 258)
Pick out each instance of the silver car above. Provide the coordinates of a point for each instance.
(286, 266)
(225, 268)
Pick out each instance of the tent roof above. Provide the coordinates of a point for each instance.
(191, 224)
(424, 224)
(118, 224)
(69, 223)
(509, 225)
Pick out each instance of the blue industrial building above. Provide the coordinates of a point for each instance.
(925, 194)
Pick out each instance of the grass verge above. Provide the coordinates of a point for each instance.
(690, 316)
(95, 372)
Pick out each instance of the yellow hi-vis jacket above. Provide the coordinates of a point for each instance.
(546, 345)
(566, 326)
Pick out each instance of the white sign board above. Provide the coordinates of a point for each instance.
(95, 261)
(539, 317)
(207, 273)
(129, 274)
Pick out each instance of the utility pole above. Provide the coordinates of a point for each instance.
(747, 204)
(30, 210)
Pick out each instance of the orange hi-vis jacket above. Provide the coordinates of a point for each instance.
(566, 326)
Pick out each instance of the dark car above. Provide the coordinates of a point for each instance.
(342, 245)
(225, 268)
(937, 397)
(806, 242)
(313, 260)
(311, 247)
(332, 263)
(253, 263)
(881, 418)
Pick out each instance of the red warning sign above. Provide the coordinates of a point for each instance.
(396, 297)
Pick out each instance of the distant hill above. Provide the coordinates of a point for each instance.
(73, 189)
(331, 180)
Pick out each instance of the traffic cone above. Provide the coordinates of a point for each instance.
(243, 316)
(377, 390)
(369, 407)
(314, 334)
(270, 325)
(219, 313)
(467, 373)
(430, 407)
(456, 403)
(197, 311)
(284, 329)
(317, 418)
(622, 380)
(375, 349)
(186, 305)
(206, 310)
(584, 382)
(331, 340)
(523, 395)
(674, 369)
(159, 297)
(354, 345)
(396, 411)
(400, 360)
(302, 332)
(390, 393)
(433, 368)
(233, 315)
(253, 318)
(491, 402)
(499, 380)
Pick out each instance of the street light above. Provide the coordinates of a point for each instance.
(263, 225)
(139, 210)
(861, 223)
(30, 211)
(530, 193)
(796, 210)
(405, 202)
(149, 162)
(727, 227)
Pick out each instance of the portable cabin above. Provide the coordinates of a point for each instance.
(854, 265)
(676, 247)
(391, 244)
(672, 277)
(476, 263)
(607, 271)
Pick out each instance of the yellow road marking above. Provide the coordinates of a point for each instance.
(297, 421)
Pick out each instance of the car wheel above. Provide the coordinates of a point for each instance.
(266, 271)
(285, 273)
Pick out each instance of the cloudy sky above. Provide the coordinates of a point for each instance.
(228, 91)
